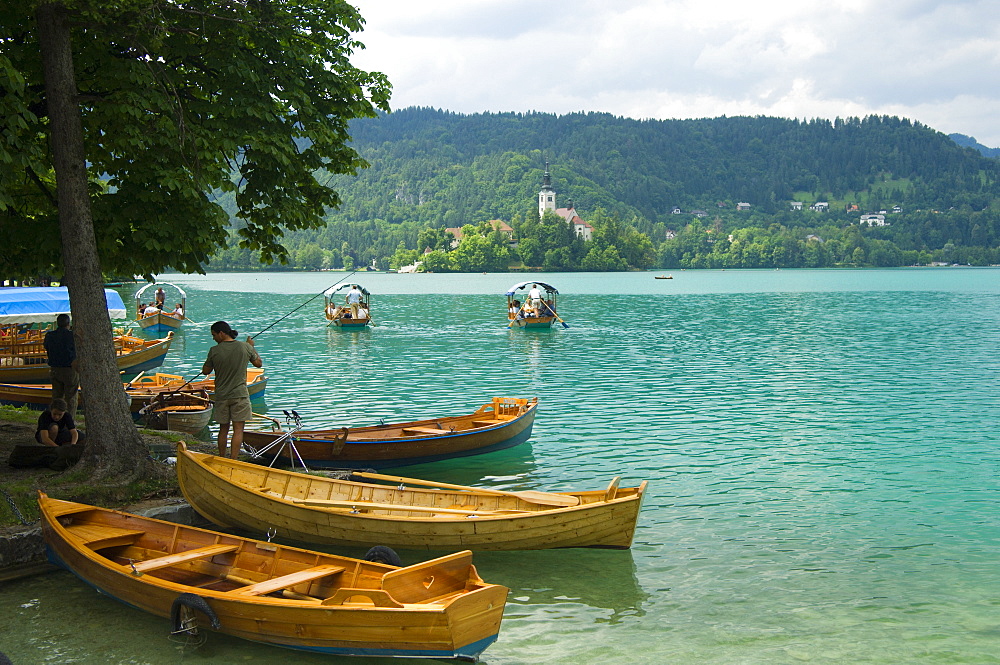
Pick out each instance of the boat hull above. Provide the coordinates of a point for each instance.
(228, 492)
(160, 323)
(39, 395)
(403, 621)
(365, 447)
(533, 323)
(140, 356)
(351, 324)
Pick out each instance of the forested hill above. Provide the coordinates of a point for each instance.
(426, 164)
(659, 193)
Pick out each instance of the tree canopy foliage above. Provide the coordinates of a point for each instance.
(183, 103)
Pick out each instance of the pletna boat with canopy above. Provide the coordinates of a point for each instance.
(346, 316)
(534, 308)
(165, 318)
(26, 313)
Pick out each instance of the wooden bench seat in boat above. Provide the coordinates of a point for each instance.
(368, 505)
(425, 430)
(99, 536)
(487, 423)
(180, 557)
(286, 581)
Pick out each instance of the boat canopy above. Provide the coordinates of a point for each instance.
(333, 289)
(138, 294)
(42, 304)
(521, 285)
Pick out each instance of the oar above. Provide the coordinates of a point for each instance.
(564, 324)
(519, 309)
(531, 496)
(134, 379)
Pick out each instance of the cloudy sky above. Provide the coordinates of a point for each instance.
(934, 61)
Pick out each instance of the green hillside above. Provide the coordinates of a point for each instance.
(431, 169)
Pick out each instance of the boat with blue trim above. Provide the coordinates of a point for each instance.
(502, 423)
(274, 594)
(535, 308)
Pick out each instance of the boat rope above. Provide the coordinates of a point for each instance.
(13, 507)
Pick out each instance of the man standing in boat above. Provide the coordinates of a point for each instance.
(535, 299)
(354, 300)
(60, 348)
(228, 359)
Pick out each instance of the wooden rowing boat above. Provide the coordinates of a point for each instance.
(528, 314)
(163, 320)
(317, 509)
(278, 595)
(179, 411)
(23, 360)
(140, 390)
(343, 316)
(502, 423)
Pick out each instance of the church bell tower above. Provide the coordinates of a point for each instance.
(547, 195)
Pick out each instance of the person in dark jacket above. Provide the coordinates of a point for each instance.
(61, 350)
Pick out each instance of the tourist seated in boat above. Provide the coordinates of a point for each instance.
(514, 311)
(178, 312)
(56, 426)
(362, 312)
(151, 309)
(546, 309)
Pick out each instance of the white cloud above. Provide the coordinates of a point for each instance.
(935, 61)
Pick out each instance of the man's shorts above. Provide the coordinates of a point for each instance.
(233, 410)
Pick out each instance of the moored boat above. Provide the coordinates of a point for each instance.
(318, 509)
(23, 358)
(165, 318)
(537, 310)
(502, 423)
(347, 316)
(274, 594)
(140, 390)
(178, 410)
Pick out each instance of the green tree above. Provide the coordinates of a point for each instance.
(149, 106)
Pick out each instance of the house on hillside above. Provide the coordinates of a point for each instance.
(742, 205)
(873, 220)
(796, 205)
(820, 206)
(498, 224)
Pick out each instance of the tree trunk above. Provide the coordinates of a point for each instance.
(115, 452)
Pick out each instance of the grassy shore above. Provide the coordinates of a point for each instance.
(17, 427)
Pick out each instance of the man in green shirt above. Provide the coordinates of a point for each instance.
(228, 359)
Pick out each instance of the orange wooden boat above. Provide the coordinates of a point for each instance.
(278, 595)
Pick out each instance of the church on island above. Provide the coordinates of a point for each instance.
(547, 201)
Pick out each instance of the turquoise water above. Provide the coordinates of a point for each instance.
(820, 447)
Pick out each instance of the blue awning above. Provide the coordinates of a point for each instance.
(521, 285)
(41, 304)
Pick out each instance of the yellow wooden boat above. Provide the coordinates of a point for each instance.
(318, 509)
(180, 411)
(283, 596)
(23, 358)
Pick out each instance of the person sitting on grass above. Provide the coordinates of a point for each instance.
(56, 426)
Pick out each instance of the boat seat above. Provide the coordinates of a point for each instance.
(486, 423)
(425, 430)
(99, 536)
(181, 557)
(368, 505)
(286, 581)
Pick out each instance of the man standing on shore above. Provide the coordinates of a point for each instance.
(228, 359)
(61, 351)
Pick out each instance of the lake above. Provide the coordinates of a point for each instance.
(820, 446)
